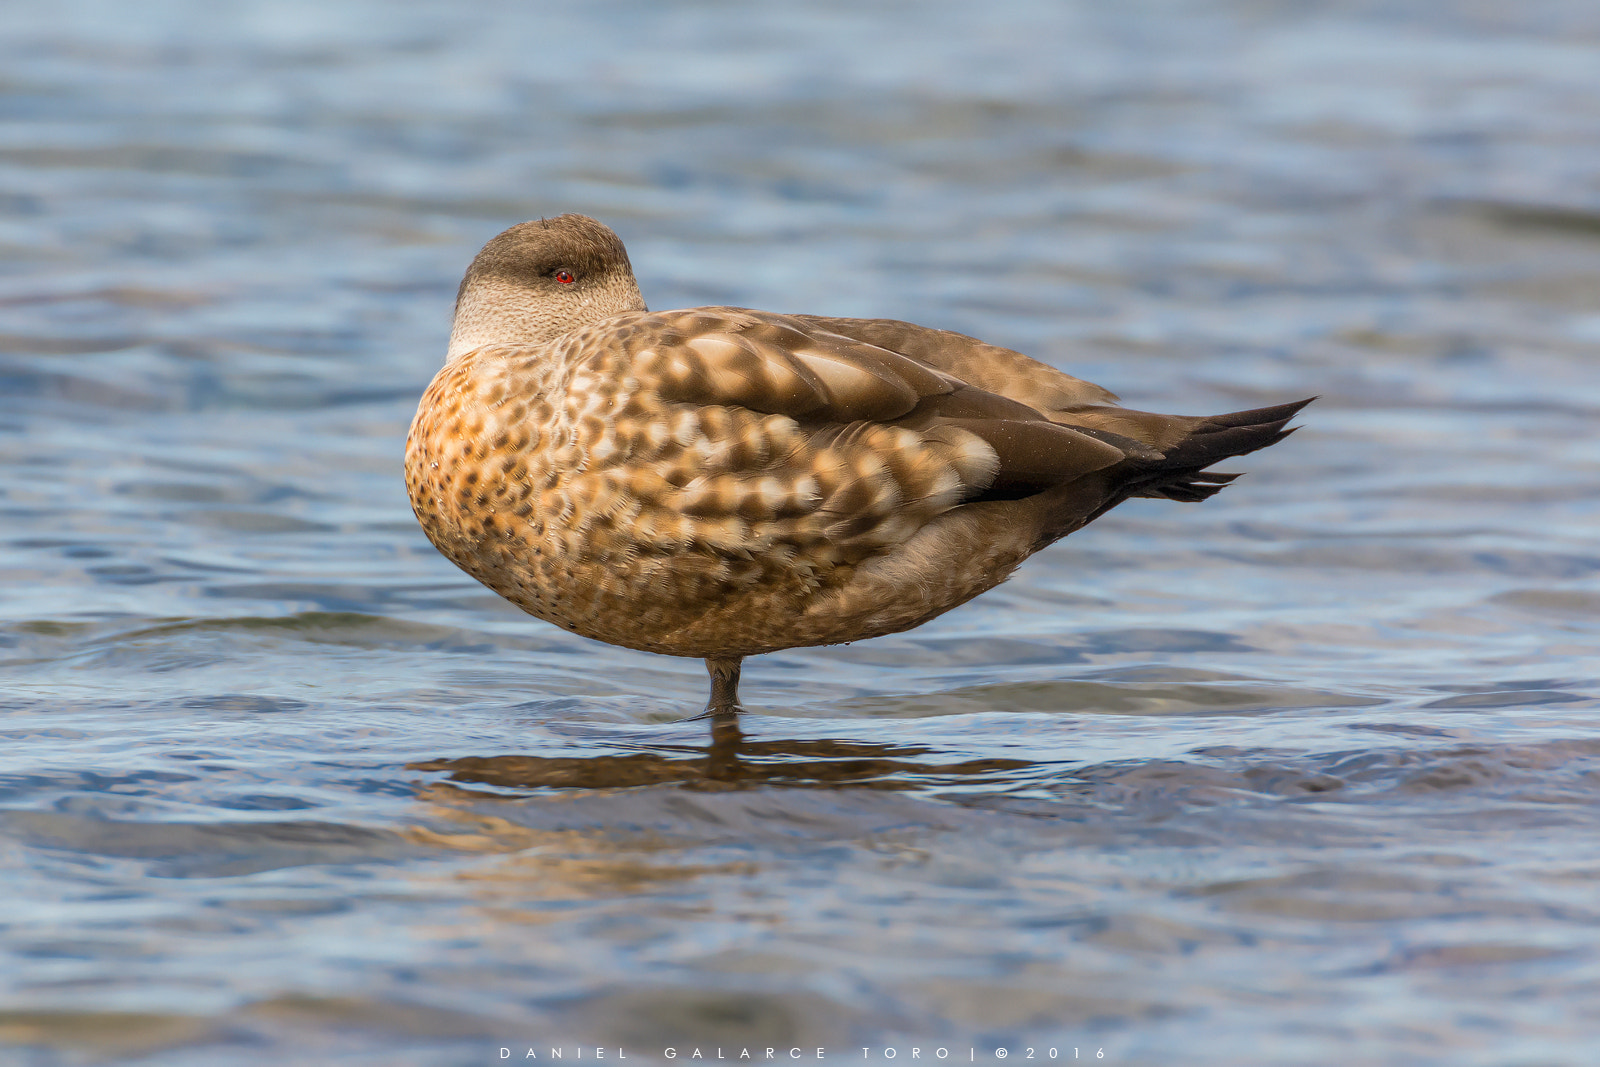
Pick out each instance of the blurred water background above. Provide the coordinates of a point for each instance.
(1308, 773)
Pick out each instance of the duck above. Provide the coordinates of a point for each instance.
(721, 482)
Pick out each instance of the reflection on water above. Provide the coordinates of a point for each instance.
(730, 761)
(1307, 773)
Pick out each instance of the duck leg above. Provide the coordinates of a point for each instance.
(724, 687)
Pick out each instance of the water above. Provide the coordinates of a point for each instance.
(1308, 773)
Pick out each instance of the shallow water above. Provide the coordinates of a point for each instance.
(1308, 773)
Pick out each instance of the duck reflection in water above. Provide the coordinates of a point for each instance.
(730, 761)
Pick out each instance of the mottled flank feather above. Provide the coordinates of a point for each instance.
(720, 482)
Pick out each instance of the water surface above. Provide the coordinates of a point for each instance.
(1305, 774)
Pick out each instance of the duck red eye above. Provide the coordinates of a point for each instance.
(564, 277)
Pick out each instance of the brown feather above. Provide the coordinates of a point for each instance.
(719, 482)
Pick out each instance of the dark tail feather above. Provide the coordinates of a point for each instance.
(1202, 485)
(1180, 473)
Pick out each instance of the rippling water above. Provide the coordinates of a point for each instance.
(1308, 773)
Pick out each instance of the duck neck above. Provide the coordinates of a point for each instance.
(491, 311)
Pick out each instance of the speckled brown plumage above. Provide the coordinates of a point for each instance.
(720, 482)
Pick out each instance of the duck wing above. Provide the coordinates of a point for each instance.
(840, 390)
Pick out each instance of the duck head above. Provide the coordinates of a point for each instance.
(541, 280)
